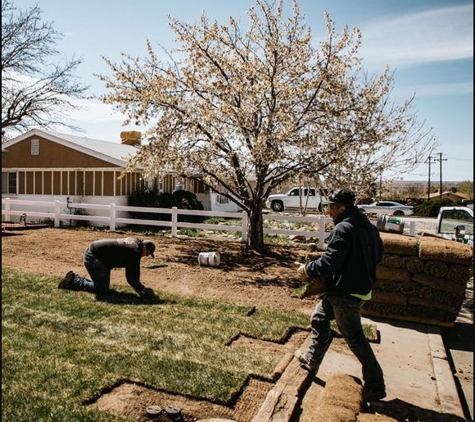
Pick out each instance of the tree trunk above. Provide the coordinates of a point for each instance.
(255, 230)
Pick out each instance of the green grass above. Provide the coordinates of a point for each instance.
(62, 348)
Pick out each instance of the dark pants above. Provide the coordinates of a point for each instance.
(346, 311)
(100, 275)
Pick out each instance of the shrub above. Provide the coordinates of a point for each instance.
(431, 208)
(150, 197)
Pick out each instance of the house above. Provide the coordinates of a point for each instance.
(454, 196)
(46, 166)
(41, 165)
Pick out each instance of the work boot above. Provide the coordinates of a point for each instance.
(374, 393)
(305, 363)
(67, 282)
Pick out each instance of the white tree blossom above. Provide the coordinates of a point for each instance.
(247, 110)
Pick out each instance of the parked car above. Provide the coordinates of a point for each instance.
(387, 207)
(309, 198)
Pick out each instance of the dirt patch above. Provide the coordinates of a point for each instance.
(243, 276)
(131, 400)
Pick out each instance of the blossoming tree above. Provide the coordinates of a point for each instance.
(247, 110)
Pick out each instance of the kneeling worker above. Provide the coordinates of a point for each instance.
(103, 255)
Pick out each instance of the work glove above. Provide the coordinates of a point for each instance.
(302, 273)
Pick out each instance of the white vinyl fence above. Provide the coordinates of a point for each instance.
(60, 212)
(112, 216)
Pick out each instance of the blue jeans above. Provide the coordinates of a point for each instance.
(346, 311)
(100, 275)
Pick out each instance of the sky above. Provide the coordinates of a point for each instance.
(428, 44)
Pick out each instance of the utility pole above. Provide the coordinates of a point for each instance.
(428, 183)
(440, 159)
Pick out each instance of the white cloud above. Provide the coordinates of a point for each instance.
(436, 90)
(93, 111)
(433, 35)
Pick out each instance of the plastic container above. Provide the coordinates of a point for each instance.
(209, 259)
(387, 223)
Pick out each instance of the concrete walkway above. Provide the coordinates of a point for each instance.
(418, 377)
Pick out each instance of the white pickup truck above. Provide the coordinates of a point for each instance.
(455, 223)
(309, 199)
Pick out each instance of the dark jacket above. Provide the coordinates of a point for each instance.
(121, 253)
(354, 250)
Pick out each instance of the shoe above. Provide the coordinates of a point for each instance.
(67, 281)
(304, 362)
(373, 394)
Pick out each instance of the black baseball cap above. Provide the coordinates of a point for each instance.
(344, 196)
(150, 247)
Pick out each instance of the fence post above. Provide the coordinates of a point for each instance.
(244, 227)
(412, 227)
(57, 211)
(7, 209)
(321, 228)
(174, 221)
(112, 217)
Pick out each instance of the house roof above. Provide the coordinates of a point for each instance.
(112, 152)
(448, 193)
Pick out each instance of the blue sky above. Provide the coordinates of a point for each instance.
(428, 43)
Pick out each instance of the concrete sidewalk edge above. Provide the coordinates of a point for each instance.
(447, 389)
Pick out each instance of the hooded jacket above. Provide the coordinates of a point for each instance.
(354, 249)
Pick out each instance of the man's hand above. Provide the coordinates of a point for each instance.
(302, 273)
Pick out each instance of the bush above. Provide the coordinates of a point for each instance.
(150, 197)
(431, 208)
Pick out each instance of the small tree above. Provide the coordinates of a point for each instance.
(466, 187)
(246, 111)
(35, 91)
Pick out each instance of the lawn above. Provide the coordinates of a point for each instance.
(60, 348)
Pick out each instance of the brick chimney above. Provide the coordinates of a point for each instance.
(131, 137)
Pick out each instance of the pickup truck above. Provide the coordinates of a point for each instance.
(300, 198)
(455, 223)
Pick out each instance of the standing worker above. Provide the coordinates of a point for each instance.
(103, 255)
(348, 268)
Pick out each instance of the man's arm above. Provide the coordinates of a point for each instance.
(333, 259)
(132, 274)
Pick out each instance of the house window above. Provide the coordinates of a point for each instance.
(221, 199)
(35, 147)
(9, 182)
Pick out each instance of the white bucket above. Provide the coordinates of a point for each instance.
(211, 259)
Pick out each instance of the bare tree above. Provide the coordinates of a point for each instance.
(246, 111)
(35, 91)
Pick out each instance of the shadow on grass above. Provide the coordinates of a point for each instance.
(124, 298)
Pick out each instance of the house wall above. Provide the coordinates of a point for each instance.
(37, 169)
(48, 155)
(80, 182)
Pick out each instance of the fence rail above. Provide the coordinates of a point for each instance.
(60, 212)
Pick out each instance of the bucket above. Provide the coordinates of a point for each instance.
(387, 223)
(211, 259)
